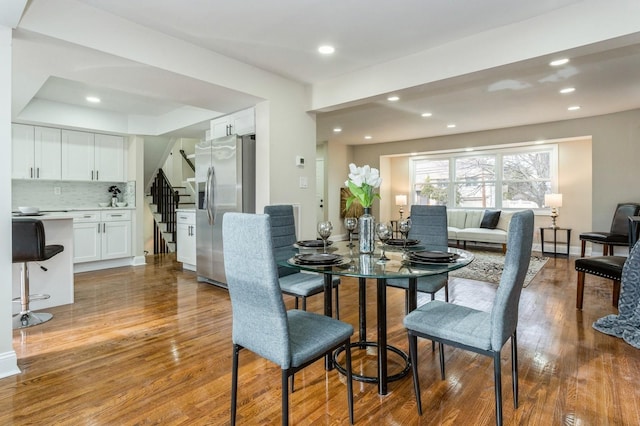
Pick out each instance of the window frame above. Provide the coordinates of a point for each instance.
(552, 149)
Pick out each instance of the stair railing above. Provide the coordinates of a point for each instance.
(188, 160)
(166, 199)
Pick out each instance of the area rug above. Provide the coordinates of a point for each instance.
(487, 266)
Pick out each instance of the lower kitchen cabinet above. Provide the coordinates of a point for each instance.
(101, 235)
(186, 239)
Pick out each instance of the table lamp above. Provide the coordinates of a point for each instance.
(401, 201)
(554, 201)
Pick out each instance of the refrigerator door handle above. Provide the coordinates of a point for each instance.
(212, 195)
(207, 196)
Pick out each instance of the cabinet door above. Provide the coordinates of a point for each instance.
(47, 153)
(244, 122)
(116, 239)
(22, 166)
(77, 155)
(182, 241)
(190, 247)
(86, 241)
(221, 127)
(109, 158)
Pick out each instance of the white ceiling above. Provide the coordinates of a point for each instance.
(282, 37)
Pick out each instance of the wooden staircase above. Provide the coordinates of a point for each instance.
(163, 200)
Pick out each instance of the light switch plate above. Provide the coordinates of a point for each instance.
(304, 183)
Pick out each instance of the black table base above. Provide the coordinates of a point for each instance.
(372, 379)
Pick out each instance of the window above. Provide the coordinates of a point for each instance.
(506, 178)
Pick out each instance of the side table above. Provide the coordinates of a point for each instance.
(555, 240)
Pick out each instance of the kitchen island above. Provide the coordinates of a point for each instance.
(57, 280)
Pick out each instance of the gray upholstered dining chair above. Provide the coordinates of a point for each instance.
(292, 339)
(481, 332)
(429, 225)
(293, 282)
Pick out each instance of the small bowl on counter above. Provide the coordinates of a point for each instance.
(104, 204)
(122, 204)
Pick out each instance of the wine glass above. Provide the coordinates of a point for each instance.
(385, 232)
(324, 230)
(350, 223)
(404, 226)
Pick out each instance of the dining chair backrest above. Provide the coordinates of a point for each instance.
(258, 310)
(283, 234)
(504, 315)
(429, 225)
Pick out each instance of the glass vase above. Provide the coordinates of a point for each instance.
(366, 232)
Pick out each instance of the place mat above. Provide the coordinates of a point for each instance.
(317, 259)
(312, 243)
(400, 242)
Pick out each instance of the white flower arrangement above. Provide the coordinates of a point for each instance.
(362, 182)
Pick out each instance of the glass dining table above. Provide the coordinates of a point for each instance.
(347, 261)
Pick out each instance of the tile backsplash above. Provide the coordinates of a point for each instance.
(42, 194)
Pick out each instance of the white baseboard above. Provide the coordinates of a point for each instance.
(138, 261)
(8, 364)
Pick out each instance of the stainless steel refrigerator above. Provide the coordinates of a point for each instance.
(225, 181)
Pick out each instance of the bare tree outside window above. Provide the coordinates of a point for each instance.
(514, 178)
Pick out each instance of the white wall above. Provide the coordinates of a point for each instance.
(8, 360)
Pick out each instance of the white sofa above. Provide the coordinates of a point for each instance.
(464, 225)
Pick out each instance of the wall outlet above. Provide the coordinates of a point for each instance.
(56, 190)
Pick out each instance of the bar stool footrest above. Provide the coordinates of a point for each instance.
(32, 297)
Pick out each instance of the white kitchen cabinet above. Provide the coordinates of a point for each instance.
(239, 123)
(36, 152)
(92, 157)
(101, 235)
(186, 239)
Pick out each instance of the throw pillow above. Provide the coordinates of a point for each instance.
(490, 219)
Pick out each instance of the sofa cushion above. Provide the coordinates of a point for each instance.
(482, 235)
(505, 219)
(490, 219)
(456, 218)
(474, 218)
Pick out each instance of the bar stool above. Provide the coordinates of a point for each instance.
(29, 246)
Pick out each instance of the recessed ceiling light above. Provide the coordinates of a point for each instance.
(559, 62)
(541, 142)
(568, 90)
(326, 49)
(337, 129)
(426, 114)
(451, 126)
(368, 137)
(574, 108)
(93, 99)
(393, 98)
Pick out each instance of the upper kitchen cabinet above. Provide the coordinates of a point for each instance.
(35, 152)
(239, 123)
(92, 157)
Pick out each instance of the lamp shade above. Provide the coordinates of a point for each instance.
(401, 200)
(553, 200)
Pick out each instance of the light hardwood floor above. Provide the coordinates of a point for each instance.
(150, 345)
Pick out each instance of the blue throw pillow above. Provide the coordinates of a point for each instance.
(490, 219)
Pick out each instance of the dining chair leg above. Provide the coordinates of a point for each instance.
(304, 303)
(234, 383)
(514, 368)
(583, 247)
(285, 399)
(497, 378)
(337, 303)
(349, 380)
(441, 349)
(446, 291)
(296, 302)
(616, 293)
(580, 290)
(413, 355)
